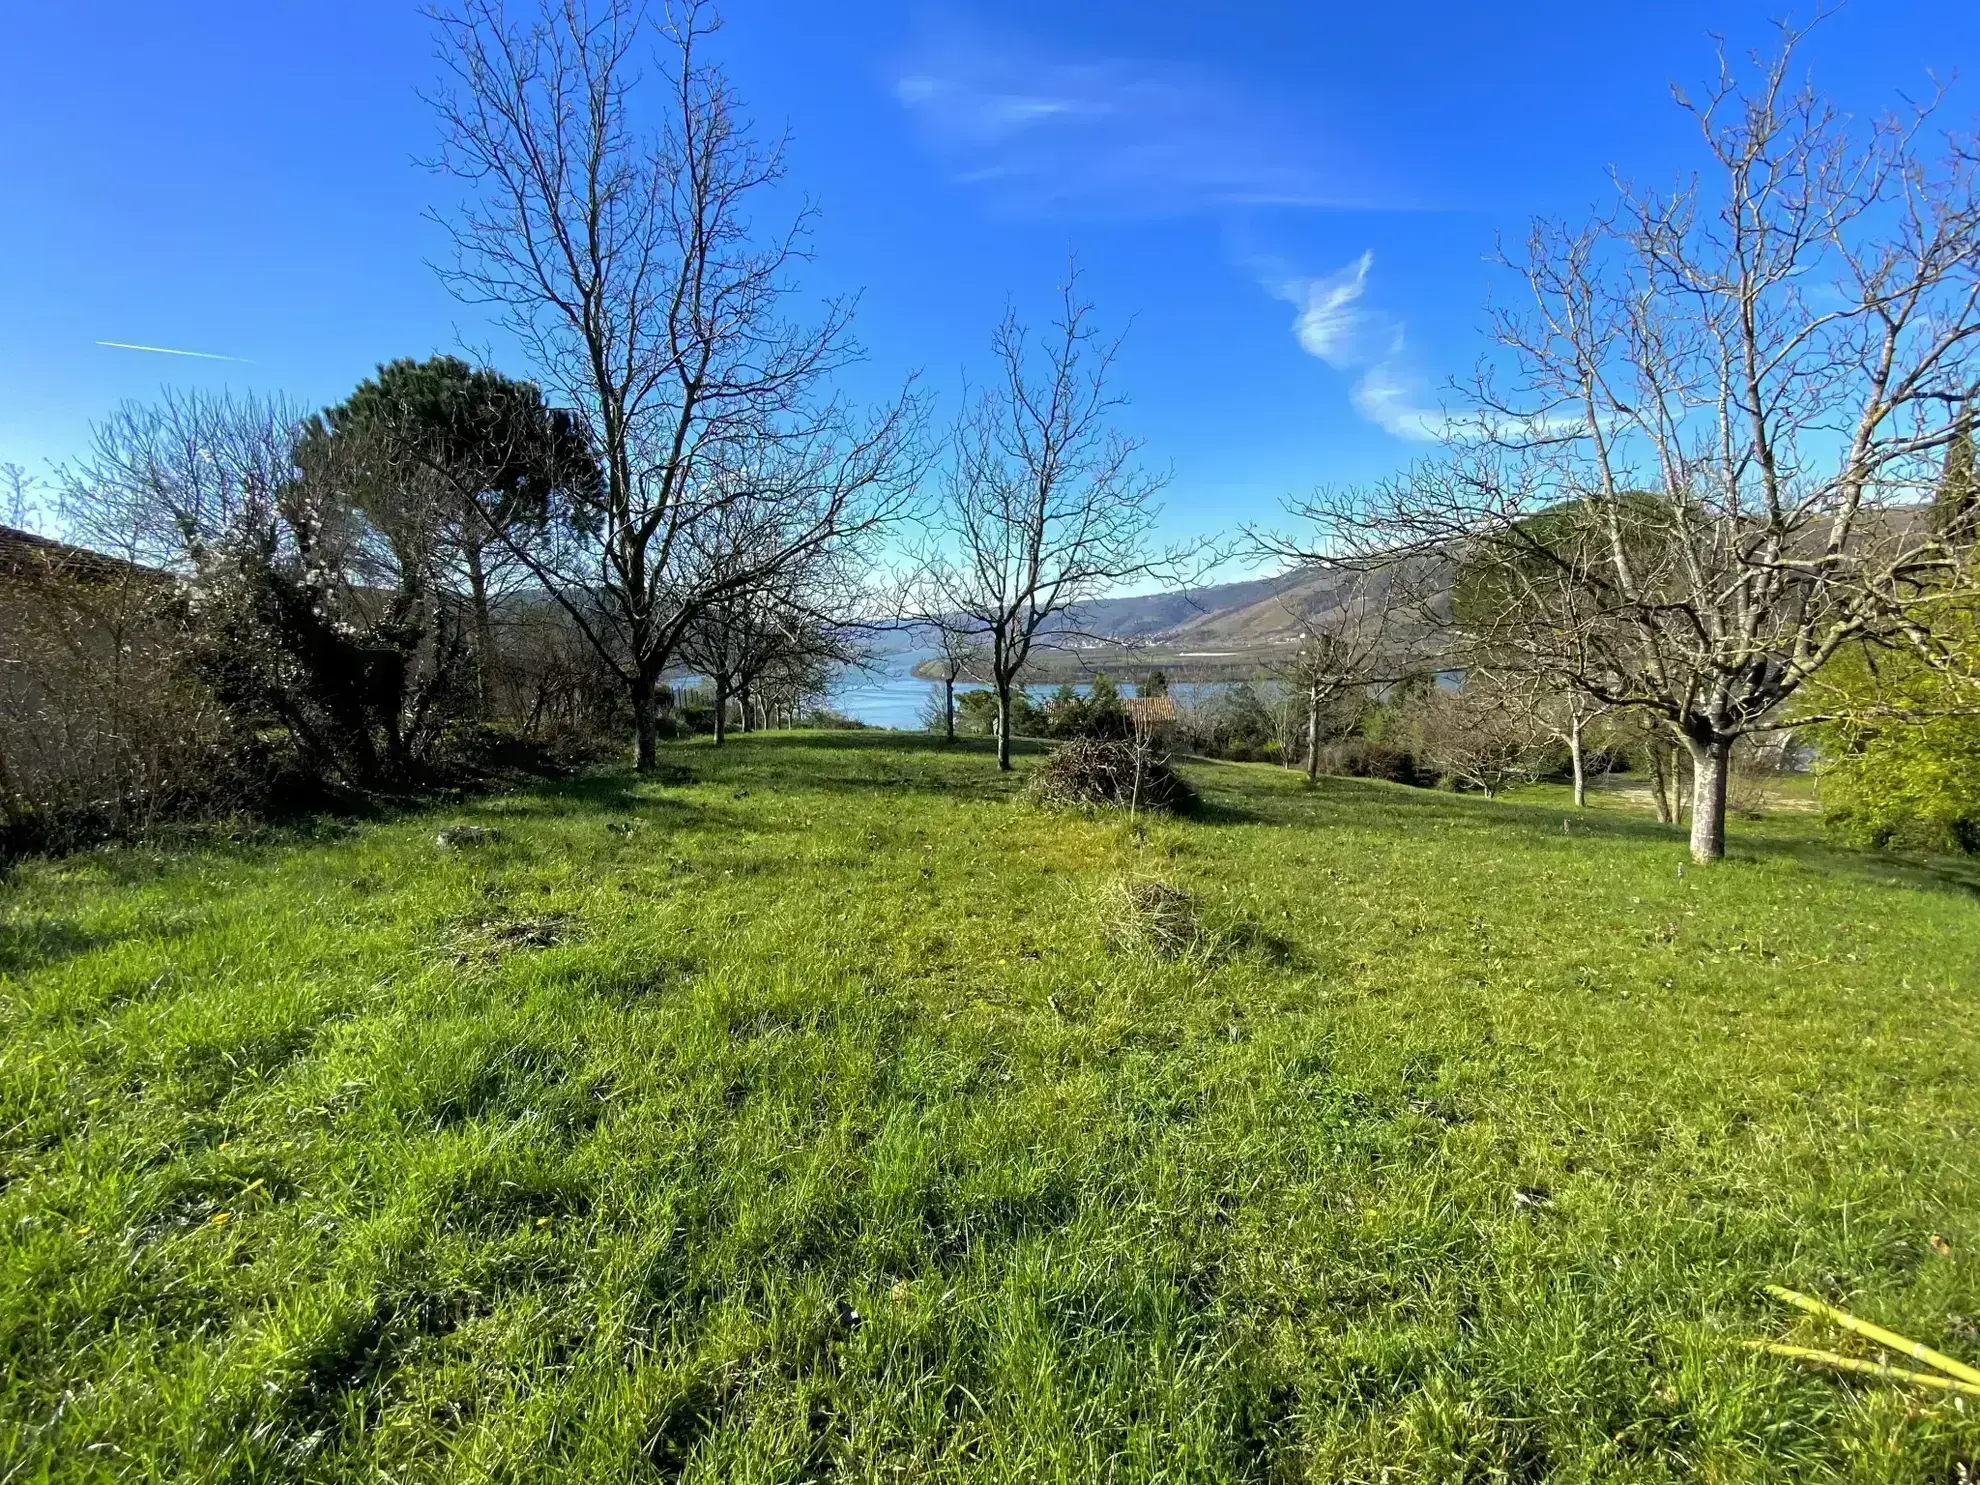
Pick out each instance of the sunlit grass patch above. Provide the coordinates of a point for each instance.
(794, 1114)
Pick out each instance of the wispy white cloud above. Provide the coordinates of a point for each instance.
(1113, 134)
(1395, 398)
(1333, 323)
(165, 350)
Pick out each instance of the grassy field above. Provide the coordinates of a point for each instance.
(792, 1116)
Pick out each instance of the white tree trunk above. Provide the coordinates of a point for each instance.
(1710, 763)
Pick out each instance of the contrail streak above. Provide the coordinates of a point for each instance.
(166, 350)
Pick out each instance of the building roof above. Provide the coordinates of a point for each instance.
(24, 555)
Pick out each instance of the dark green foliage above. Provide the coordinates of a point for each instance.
(1099, 713)
(976, 714)
(457, 470)
(1553, 566)
(1088, 772)
(353, 610)
(499, 452)
(279, 642)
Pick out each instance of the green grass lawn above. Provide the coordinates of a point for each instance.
(790, 1116)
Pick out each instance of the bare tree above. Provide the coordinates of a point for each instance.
(1565, 716)
(1344, 647)
(1704, 477)
(1494, 606)
(761, 644)
(1476, 735)
(956, 657)
(19, 506)
(625, 261)
(1045, 507)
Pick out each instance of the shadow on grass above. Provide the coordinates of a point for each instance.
(42, 943)
(863, 762)
(881, 740)
(1233, 798)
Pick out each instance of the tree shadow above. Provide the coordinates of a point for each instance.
(1332, 800)
(621, 792)
(877, 740)
(1956, 874)
(859, 762)
(29, 943)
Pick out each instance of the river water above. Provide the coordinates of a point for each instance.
(894, 698)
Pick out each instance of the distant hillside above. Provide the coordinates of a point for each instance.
(1226, 631)
(1152, 614)
(1258, 611)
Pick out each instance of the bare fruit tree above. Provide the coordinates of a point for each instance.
(956, 658)
(1727, 403)
(1475, 735)
(18, 500)
(624, 258)
(1344, 647)
(1045, 507)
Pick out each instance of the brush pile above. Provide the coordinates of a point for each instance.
(1090, 772)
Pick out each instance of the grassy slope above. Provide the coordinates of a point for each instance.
(829, 1134)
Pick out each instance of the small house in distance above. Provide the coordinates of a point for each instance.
(1153, 717)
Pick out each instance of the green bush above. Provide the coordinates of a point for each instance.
(976, 713)
(1099, 713)
(1907, 784)
(1893, 773)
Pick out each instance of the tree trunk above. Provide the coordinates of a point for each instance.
(15, 808)
(1312, 734)
(1580, 770)
(1710, 763)
(742, 709)
(1659, 789)
(949, 707)
(1004, 727)
(721, 711)
(484, 633)
(646, 726)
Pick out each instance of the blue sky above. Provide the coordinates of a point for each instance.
(1288, 207)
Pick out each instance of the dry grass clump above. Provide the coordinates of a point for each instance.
(1151, 915)
(490, 939)
(1087, 772)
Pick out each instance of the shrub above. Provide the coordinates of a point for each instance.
(1910, 785)
(1089, 772)
(1360, 758)
(976, 713)
(1901, 768)
(1099, 713)
(1229, 722)
(824, 719)
(1476, 739)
